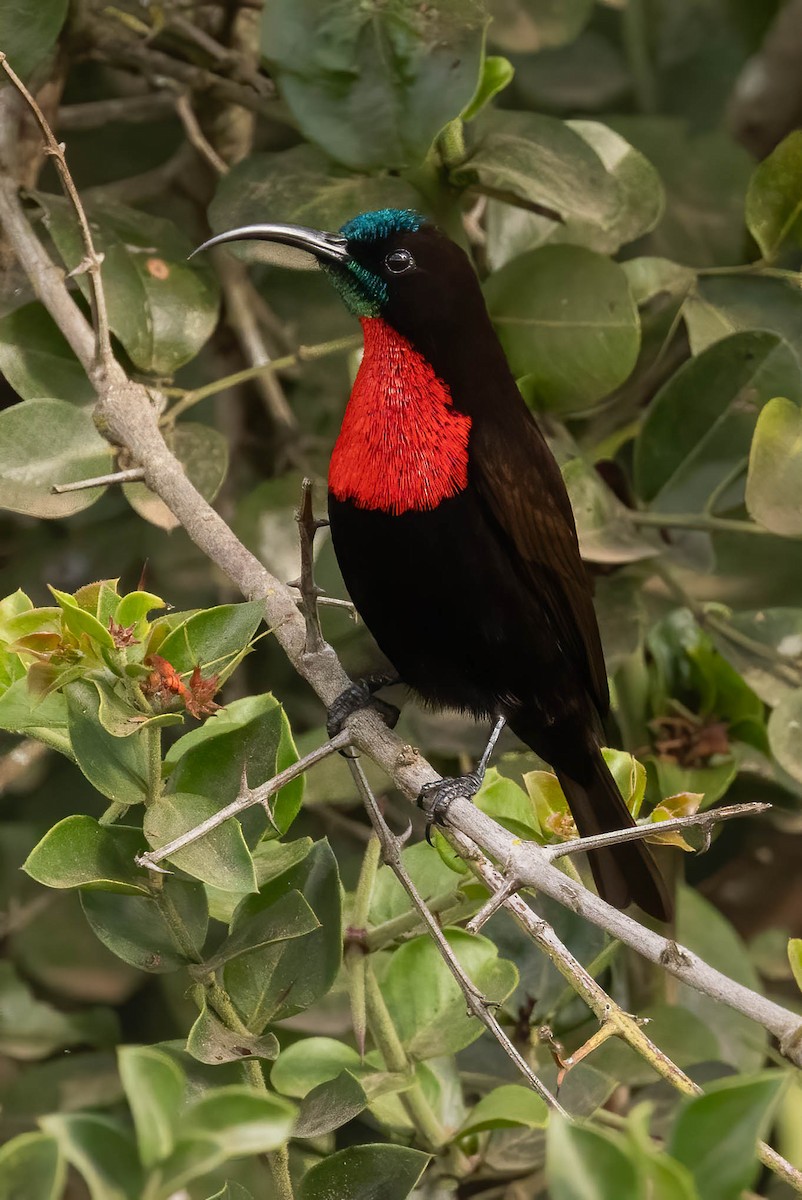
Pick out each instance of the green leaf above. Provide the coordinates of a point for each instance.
(506, 802)
(280, 980)
(779, 629)
(715, 1135)
(308, 1064)
(117, 767)
(427, 871)
(723, 305)
(210, 1041)
(206, 639)
(795, 959)
(300, 186)
(784, 725)
(539, 160)
(566, 320)
(155, 1088)
(330, 1105)
(679, 1033)
(640, 197)
(46, 720)
(650, 277)
(586, 1164)
(28, 32)
(251, 735)
(506, 1107)
(43, 442)
(133, 609)
(220, 858)
(121, 718)
(101, 1151)
(241, 1120)
(774, 198)
(425, 1001)
(136, 930)
(373, 1172)
(78, 852)
(31, 1168)
(161, 307)
(289, 916)
(36, 358)
(606, 531)
(699, 427)
(31, 1029)
(374, 86)
(629, 775)
(232, 1191)
(81, 622)
(774, 482)
(203, 453)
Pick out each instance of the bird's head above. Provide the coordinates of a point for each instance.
(391, 263)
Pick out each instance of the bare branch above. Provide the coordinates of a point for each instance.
(310, 592)
(92, 258)
(150, 106)
(704, 821)
(247, 799)
(477, 1004)
(196, 136)
(132, 475)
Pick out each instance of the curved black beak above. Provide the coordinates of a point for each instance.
(325, 247)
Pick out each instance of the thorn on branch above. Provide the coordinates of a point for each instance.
(133, 475)
(307, 528)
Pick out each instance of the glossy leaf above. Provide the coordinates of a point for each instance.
(300, 186)
(650, 277)
(306, 1065)
(425, 1002)
(640, 198)
(210, 1041)
(288, 917)
(795, 959)
(722, 305)
(330, 1105)
(203, 453)
(28, 32)
(155, 1089)
(375, 1172)
(506, 802)
(497, 74)
(78, 852)
(161, 307)
(137, 931)
(715, 1135)
(101, 1151)
(242, 1120)
(46, 720)
(506, 1107)
(31, 1168)
(774, 199)
(117, 767)
(43, 442)
(567, 322)
(699, 426)
(208, 638)
(36, 358)
(220, 858)
(251, 735)
(373, 87)
(427, 871)
(587, 1164)
(774, 482)
(281, 979)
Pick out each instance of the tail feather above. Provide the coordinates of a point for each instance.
(624, 873)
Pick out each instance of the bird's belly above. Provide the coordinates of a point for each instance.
(442, 601)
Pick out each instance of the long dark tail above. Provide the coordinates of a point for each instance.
(625, 873)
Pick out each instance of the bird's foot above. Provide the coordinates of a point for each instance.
(360, 694)
(436, 798)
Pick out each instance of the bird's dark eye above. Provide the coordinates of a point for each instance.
(399, 261)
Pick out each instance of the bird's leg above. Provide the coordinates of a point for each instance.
(435, 798)
(359, 694)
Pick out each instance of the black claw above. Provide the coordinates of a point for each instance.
(436, 798)
(360, 695)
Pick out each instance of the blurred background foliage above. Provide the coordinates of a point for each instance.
(628, 178)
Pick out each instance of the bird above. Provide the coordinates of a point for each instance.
(452, 526)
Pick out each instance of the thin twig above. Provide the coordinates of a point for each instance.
(94, 114)
(704, 821)
(477, 1004)
(196, 136)
(247, 799)
(92, 259)
(308, 526)
(132, 475)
